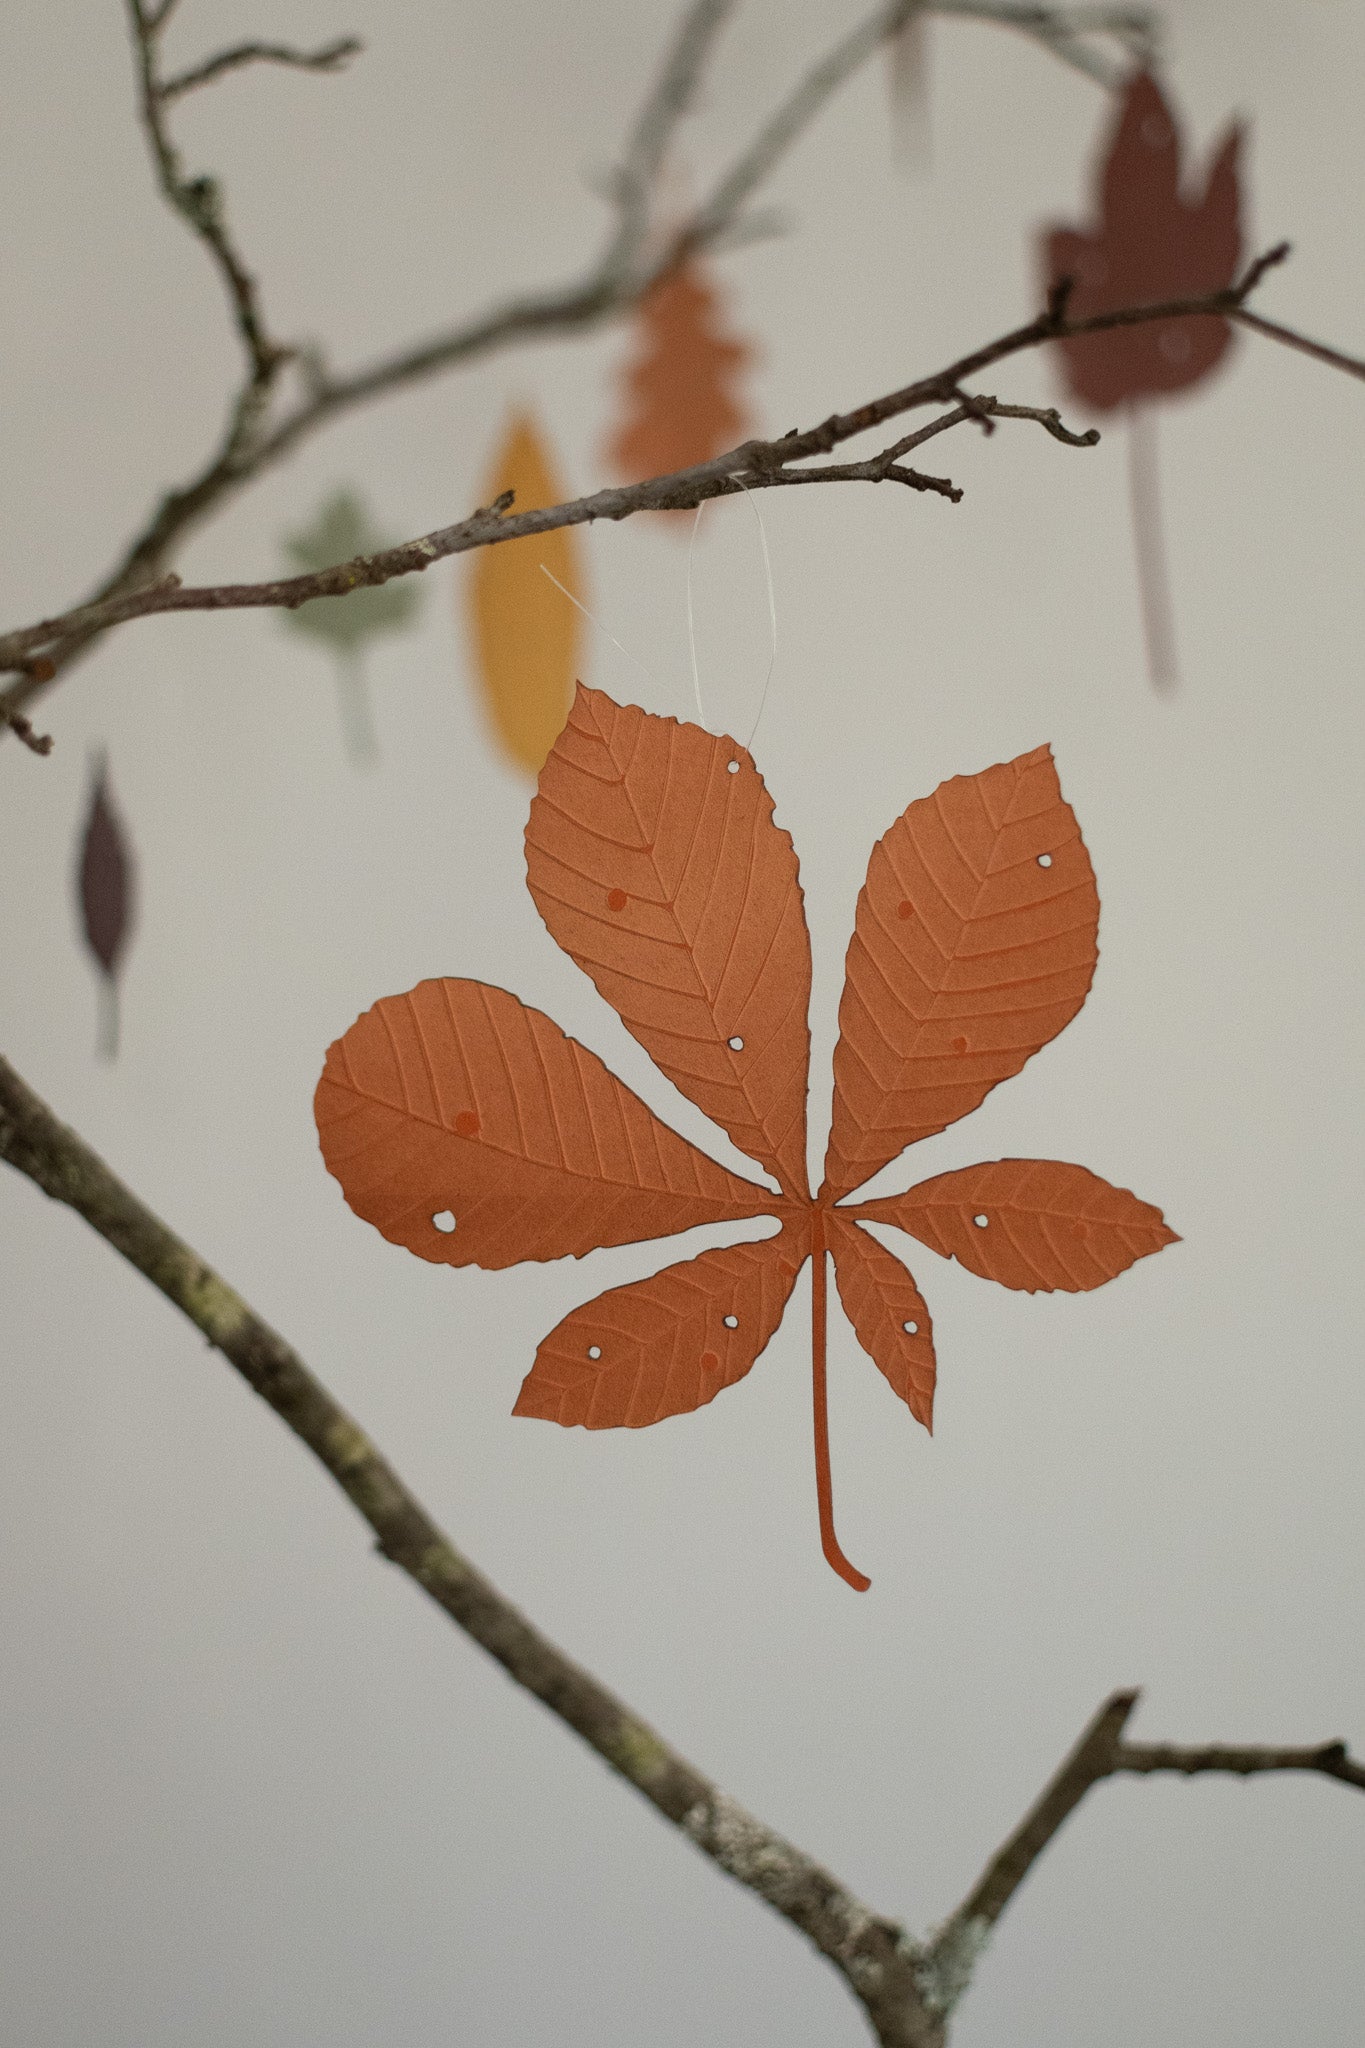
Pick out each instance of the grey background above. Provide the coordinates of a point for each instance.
(253, 1792)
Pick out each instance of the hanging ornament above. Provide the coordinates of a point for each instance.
(105, 889)
(679, 399)
(1151, 242)
(467, 1127)
(907, 80)
(342, 530)
(526, 633)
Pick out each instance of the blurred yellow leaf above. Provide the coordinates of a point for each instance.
(526, 633)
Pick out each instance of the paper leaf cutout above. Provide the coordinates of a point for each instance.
(526, 633)
(888, 1315)
(1151, 242)
(974, 944)
(653, 858)
(105, 889)
(1035, 1224)
(342, 530)
(665, 1345)
(680, 405)
(469, 1128)
(458, 1102)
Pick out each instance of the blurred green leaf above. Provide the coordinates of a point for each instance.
(342, 529)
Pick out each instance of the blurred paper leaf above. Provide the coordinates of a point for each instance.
(1154, 234)
(342, 530)
(106, 892)
(526, 633)
(679, 402)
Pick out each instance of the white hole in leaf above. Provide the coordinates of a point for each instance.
(981, 1221)
(735, 1044)
(443, 1220)
(594, 1350)
(732, 767)
(731, 1322)
(910, 1329)
(1045, 860)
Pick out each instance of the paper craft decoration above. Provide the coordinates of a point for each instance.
(104, 884)
(680, 403)
(342, 530)
(907, 77)
(526, 633)
(466, 1126)
(1151, 242)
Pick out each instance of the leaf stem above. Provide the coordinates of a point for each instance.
(1154, 583)
(824, 1487)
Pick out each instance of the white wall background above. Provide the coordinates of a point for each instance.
(254, 1792)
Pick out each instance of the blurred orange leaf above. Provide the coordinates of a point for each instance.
(526, 633)
(680, 405)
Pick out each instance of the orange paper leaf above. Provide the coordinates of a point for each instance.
(680, 402)
(664, 1345)
(653, 858)
(1036, 1224)
(973, 945)
(469, 1128)
(526, 633)
(887, 1312)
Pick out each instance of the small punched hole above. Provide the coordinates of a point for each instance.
(732, 767)
(731, 1322)
(594, 1350)
(1045, 860)
(443, 1220)
(981, 1221)
(735, 1044)
(910, 1329)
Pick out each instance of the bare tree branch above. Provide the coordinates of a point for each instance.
(1070, 33)
(1101, 1752)
(875, 1957)
(329, 57)
(626, 269)
(907, 1988)
(754, 465)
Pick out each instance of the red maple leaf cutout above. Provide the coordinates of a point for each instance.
(680, 401)
(1152, 242)
(468, 1127)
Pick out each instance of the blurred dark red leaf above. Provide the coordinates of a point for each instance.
(105, 882)
(1152, 241)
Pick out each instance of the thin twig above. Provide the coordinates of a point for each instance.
(754, 465)
(329, 57)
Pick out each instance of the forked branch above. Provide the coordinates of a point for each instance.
(907, 1988)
